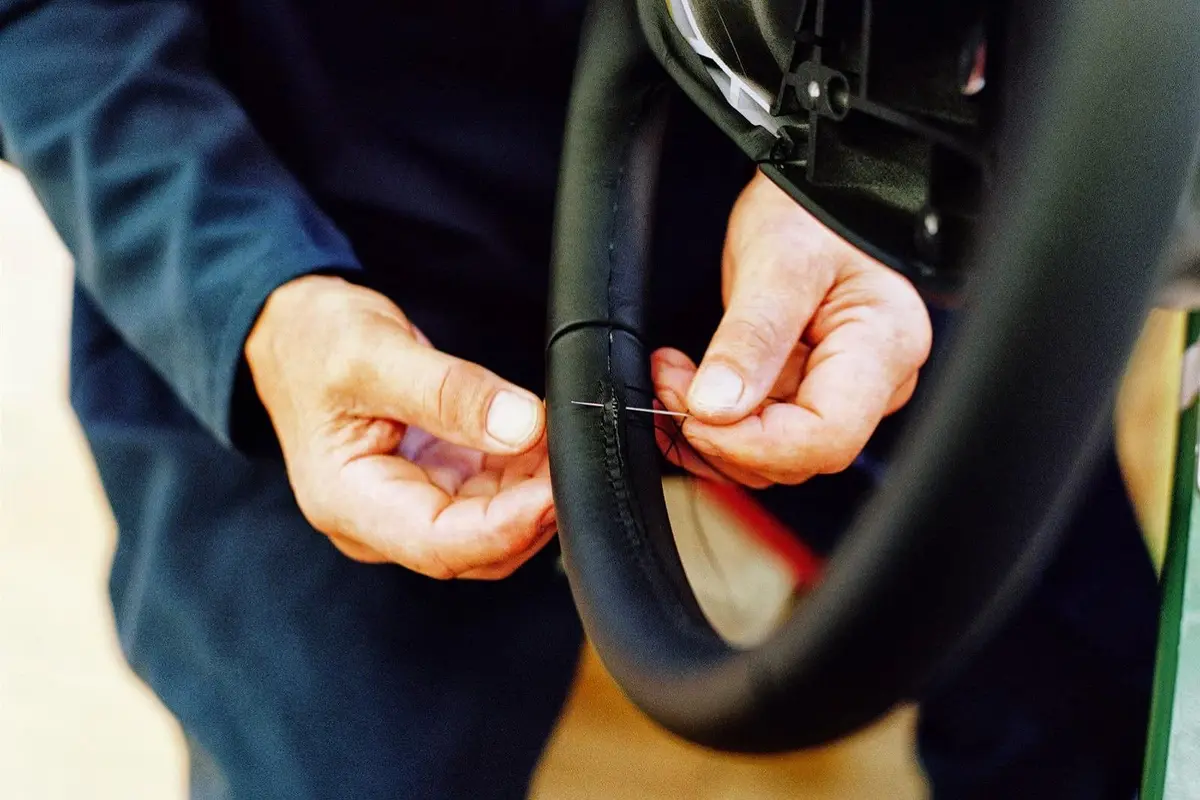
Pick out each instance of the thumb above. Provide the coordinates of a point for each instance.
(770, 303)
(450, 398)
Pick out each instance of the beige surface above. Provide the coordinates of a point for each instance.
(604, 749)
(1147, 424)
(75, 724)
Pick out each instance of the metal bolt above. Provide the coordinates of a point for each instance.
(814, 90)
(932, 224)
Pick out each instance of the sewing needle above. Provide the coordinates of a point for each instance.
(660, 411)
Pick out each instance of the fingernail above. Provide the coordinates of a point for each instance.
(511, 418)
(717, 388)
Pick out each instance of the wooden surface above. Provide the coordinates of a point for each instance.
(1147, 423)
(75, 724)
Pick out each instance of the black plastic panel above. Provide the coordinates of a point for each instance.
(886, 116)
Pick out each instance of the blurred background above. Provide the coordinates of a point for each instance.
(75, 723)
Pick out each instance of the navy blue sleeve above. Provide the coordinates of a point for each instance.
(180, 218)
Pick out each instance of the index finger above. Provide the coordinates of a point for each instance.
(390, 505)
(847, 389)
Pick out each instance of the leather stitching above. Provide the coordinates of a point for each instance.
(611, 420)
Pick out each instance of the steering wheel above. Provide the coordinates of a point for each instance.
(1066, 177)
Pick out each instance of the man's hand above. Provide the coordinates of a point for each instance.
(818, 343)
(396, 451)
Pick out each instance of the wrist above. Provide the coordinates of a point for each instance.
(285, 305)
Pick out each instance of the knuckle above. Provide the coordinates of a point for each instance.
(439, 403)
(836, 457)
(768, 464)
(756, 332)
(391, 550)
(759, 481)
(500, 571)
(352, 551)
(707, 447)
(438, 569)
(911, 344)
(792, 477)
(346, 375)
(911, 333)
(507, 543)
(457, 394)
(513, 539)
(341, 546)
(922, 334)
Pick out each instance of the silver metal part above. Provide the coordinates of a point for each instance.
(659, 411)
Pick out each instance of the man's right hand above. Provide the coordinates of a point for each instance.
(396, 451)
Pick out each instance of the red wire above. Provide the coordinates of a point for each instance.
(804, 564)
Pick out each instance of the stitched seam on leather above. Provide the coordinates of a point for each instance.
(571, 327)
(614, 468)
(614, 463)
(610, 418)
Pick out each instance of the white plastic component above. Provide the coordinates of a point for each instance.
(747, 98)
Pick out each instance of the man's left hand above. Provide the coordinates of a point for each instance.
(819, 342)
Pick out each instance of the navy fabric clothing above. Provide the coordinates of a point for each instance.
(295, 672)
(196, 154)
(1065, 687)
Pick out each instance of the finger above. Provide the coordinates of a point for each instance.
(503, 472)
(361, 553)
(839, 404)
(400, 378)
(902, 395)
(389, 505)
(775, 291)
(533, 463)
(788, 382)
(676, 450)
(485, 484)
(711, 468)
(504, 569)
(448, 465)
(512, 522)
(357, 551)
(671, 372)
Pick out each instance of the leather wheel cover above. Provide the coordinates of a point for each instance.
(1095, 167)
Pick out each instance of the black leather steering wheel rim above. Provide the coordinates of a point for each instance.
(1094, 169)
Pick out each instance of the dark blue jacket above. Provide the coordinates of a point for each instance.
(195, 155)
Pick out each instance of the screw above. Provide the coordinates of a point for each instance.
(932, 224)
